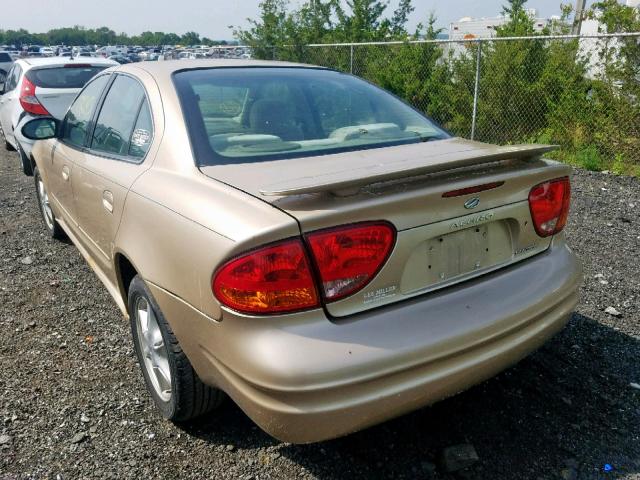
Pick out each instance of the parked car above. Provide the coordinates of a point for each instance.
(109, 50)
(121, 59)
(46, 52)
(5, 61)
(304, 241)
(33, 50)
(41, 86)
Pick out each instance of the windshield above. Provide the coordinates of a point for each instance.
(240, 115)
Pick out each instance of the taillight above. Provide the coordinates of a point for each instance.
(549, 205)
(278, 278)
(28, 99)
(347, 258)
(273, 279)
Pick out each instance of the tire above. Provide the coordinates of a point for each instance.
(182, 396)
(48, 217)
(27, 167)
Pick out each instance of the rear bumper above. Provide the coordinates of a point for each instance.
(303, 378)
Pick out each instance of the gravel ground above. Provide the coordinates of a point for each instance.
(73, 403)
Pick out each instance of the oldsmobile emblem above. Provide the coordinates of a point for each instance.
(471, 203)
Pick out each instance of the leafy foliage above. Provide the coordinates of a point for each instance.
(581, 96)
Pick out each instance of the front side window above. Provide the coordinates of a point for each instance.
(116, 131)
(76, 122)
(239, 115)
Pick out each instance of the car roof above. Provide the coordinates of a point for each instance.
(47, 61)
(166, 68)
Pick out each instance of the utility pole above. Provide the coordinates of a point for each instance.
(577, 19)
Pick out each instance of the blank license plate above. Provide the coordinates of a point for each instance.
(463, 252)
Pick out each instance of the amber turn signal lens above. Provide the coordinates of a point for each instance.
(273, 279)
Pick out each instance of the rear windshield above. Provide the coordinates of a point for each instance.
(5, 57)
(74, 76)
(240, 115)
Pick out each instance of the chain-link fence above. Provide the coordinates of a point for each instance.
(582, 93)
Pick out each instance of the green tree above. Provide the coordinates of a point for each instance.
(190, 38)
(413, 71)
(400, 17)
(362, 21)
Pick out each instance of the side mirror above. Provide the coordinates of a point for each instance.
(41, 128)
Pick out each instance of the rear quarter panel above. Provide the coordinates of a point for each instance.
(177, 229)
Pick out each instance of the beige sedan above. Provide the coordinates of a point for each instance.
(303, 241)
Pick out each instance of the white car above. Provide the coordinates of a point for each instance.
(47, 52)
(41, 86)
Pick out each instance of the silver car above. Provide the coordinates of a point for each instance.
(41, 87)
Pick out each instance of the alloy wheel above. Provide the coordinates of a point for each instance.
(154, 352)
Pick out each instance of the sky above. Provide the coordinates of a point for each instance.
(210, 18)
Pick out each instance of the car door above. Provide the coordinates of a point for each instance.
(9, 102)
(70, 147)
(115, 157)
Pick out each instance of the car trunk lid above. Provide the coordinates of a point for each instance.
(445, 235)
(56, 100)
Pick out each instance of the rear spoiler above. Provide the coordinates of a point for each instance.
(349, 179)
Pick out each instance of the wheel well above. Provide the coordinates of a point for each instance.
(126, 272)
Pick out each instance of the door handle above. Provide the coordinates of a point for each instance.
(107, 201)
(65, 173)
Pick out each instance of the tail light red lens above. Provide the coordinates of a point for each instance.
(549, 205)
(273, 279)
(28, 99)
(278, 278)
(347, 258)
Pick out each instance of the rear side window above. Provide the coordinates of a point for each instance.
(76, 123)
(142, 133)
(5, 57)
(119, 130)
(69, 76)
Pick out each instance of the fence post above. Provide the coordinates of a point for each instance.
(476, 91)
(275, 57)
(351, 59)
